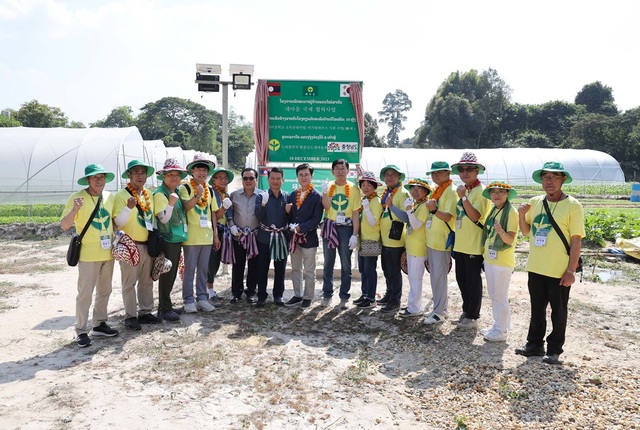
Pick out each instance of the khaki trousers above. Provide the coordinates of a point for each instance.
(98, 275)
(304, 257)
(140, 275)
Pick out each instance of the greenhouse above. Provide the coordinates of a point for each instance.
(42, 165)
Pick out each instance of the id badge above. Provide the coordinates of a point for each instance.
(493, 254)
(541, 237)
(204, 222)
(428, 224)
(340, 219)
(148, 224)
(458, 223)
(185, 227)
(105, 241)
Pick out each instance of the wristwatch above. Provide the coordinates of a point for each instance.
(464, 198)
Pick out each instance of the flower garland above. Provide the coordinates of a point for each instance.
(347, 190)
(373, 196)
(223, 193)
(145, 208)
(204, 200)
(392, 193)
(299, 200)
(498, 184)
(440, 189)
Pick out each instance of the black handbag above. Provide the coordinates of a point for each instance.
(73, 252)
(395, 233)
(562, 238)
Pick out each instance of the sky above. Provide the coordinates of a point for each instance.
(89, 57)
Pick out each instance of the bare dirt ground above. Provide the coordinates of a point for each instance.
(324, 368)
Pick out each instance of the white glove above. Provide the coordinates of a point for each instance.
(226, 203)
(365, 203)
(325, 186)
(234, 230)
(408, 202)
(353, 242)
(293, 226)
(265, 197)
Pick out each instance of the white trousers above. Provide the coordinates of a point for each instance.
(498, 280)
(415, 269)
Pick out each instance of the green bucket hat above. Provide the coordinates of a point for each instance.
(502, 185)
(221, 169)
(438, 166)
(95, 169)
(417, 182)
(136, 163)
(392, 167)
(551, 166)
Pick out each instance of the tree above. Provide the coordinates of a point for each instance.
(554, 120)
(371, 133)
(9, 120)
(119, 117)
(597, 98)
(35, 114)
(393, 107)
(179, 122)
(240, 140)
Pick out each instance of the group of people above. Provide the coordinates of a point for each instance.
(417, 226)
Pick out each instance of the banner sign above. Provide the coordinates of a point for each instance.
(312, 122)
(290, 182)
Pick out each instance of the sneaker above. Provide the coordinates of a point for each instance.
(169, 315)
(433, 319)
(384, 300)
(149, 319)
(468, 323)
(530, 351)
(496, 335)
(83, 340)
(132, 323)
(486, 330)
(234, 301)
(293, 301)
(305, 303)
(407, 314)
(344, 303)
(551, 358)
(326, 301)
(252, 300)
(359, 300)
(390, 307)
(366, 304)
(205, 306)
(190, 308)
(104, 330)
(261, 303)
(215, 301)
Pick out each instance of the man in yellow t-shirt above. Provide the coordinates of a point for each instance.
(341, 202)
(471, 210)
(95, 267)
(551, 265)
(200, 206)
(393, 199)
(133, 214)
(440, 234)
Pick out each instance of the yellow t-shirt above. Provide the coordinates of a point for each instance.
(468, 234)
(340, 203)
(199, 224)
(101, 226)
(506, 257)
(552, 259)
(385, 222)
(223, 218)
(416, 240)
(367, 231)
(437, 230)
(136, 226)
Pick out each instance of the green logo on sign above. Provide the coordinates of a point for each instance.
(310, 90)
(339, 202)
(274, 144)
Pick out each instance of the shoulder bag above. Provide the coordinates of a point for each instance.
(559, 232)
(395, 232)
(73, 253)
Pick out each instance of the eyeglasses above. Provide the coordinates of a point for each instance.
(551, 177)
(466, 169)
(248, 178)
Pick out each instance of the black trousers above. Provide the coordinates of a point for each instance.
(468, 276)
(166, 280)
(390, 259)
(544, 290)
(214, 260)
(237, 272)
(264, 261)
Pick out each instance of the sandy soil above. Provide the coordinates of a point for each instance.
(281, 368)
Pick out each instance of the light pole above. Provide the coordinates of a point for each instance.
(208, 80)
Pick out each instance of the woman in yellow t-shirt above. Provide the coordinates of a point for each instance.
(498, 240)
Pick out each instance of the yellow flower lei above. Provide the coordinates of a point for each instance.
(498, 184)
(347, 190)
(145, 208)
(204, 200)
(393, 193)
(223, 193)
(298, 194)
(440, 190)
(373, 196)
